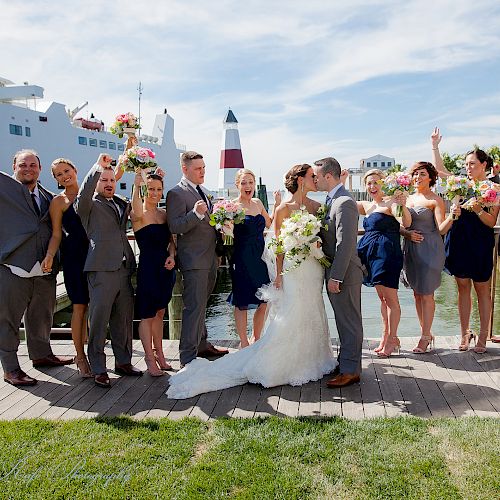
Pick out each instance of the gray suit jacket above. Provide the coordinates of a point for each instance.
(105, 228)
(339, 241)
(24, 237)
(195, 238)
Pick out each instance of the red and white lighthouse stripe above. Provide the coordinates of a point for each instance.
(231, 159)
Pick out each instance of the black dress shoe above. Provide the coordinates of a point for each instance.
(212, 352)
(52, 360)
(102, 380)
(127, 369)
(336, 371)
(18, 378)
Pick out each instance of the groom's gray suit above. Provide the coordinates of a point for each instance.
(339, 243)
(197, 261)
(24, 238)
(109, 265)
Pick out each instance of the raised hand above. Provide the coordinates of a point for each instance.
(131, 142)
(138, 179)
(435, 138)
(344, 174)
(277, 198)
(160, 172)
(104, 160)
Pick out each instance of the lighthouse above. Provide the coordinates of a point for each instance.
(231, 159)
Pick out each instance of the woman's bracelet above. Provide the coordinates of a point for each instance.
(50, 254)
(481, 212)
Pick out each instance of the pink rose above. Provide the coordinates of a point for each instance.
(489, 196)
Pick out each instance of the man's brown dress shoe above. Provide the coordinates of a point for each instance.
(495, 338)
(343, 379)
(127, 369)
(52, 360)
(212, 352)
(18, 378)
(102, 380)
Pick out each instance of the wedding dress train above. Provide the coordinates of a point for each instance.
(295, 347)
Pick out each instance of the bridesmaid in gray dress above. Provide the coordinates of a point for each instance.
(423, 249)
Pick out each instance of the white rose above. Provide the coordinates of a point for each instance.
(289, 242)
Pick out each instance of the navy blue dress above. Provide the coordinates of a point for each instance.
(154, 282)
(74, 248)
(248, 270)
(380, 250)
(469, 248)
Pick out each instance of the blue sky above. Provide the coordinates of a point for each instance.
(305, 79)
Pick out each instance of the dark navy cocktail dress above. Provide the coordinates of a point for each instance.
(248, 270)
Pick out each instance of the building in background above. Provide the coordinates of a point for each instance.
(231, 159)
(378, 161)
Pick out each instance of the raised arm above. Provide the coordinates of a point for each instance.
(137, 211)
(437, 160)
(56, 214)
(277, 203)
(280, 215)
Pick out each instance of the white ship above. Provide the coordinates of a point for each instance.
(27, 122)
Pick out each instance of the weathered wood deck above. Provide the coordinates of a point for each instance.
(444, 383)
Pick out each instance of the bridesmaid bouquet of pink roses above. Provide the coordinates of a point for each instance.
(224, 216)
(125, 123)
(137, 159)
(457, 188)
(487, 194)
(397, 183)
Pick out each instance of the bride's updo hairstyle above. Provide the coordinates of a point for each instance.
(292, 177)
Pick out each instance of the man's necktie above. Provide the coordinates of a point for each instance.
(203, 197)
(35, 204)
(328, 200)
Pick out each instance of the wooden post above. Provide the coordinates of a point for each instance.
(494, 280)
(175, 307)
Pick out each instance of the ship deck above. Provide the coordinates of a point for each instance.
(444, 383)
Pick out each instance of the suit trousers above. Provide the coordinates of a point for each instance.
(198, 285)
(111, 302)
(347, 309)
(36, 299)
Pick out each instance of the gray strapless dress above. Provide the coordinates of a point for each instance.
(424, 262)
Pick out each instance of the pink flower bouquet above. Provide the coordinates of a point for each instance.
(137, 159)
(397, 183)
(224, 216)
(125, 123)
(458, 188)
(487, 194)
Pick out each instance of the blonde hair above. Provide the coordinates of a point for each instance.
(373, 171)
(58, 161)
(241, 172)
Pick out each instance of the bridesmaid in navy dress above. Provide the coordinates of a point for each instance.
(155, 275)
(68, 232)
(248, 270)
(469, 249)
(380, 252)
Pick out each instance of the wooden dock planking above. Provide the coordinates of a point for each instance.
(445, 382)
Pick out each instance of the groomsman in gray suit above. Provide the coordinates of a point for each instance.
(188, 211)
(25, 231)
(345, 276)
(109, 266)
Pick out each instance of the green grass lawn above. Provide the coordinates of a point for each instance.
(271, 458)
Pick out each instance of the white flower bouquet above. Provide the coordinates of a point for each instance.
(298, 239)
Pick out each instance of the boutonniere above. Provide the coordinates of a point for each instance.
(322, 212)
(210, 197)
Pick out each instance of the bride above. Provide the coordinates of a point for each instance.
(295, 347)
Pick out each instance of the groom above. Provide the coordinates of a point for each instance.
(344, 277)
(188, 214)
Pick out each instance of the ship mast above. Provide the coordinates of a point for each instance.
(140, 89)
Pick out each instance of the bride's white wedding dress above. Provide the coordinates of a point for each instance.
(295, 347)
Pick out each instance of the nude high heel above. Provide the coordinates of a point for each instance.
(480, 345)
(83, 367)
(430, 346)
(153, 369)
(465, 340)
(390, 346)
(163, 365)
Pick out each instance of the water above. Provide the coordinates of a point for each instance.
(220, 319)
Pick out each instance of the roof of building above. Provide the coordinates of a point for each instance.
(230, 118)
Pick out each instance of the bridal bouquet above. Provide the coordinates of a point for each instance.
(457, 188)
(224, 216)
(298, 239)
(397, 183)
(124, 124)
(137, 159)
(487, 194)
